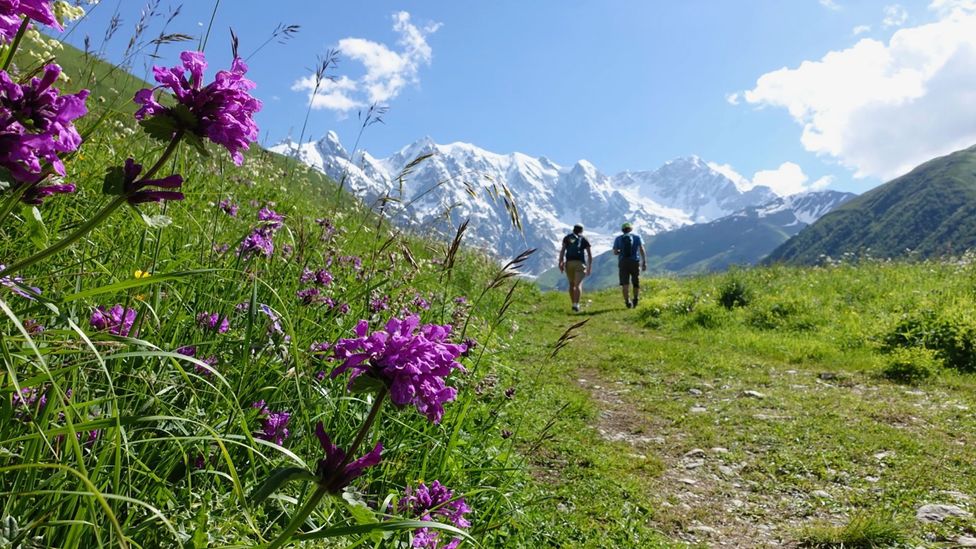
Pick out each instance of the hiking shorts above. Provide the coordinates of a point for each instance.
(575, 270)
(629, 273)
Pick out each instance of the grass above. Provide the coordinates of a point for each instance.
(754, 424)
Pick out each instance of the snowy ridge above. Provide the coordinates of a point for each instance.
(458, 181)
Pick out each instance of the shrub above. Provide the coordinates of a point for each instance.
(950, 333)
(910, 365)
(707, 316)
(864, 531)
(734, 292)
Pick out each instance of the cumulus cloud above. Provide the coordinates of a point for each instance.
(861, 29)
(732, 98)
(882, 108)
(785, 180)
(386, 70)
(830, 4)
(728, 171)
(895, 15)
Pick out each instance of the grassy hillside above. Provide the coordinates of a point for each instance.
(929, 212)
(165, 428)
(809, 414)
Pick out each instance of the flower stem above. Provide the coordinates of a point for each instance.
(373, 413)
(68, 240)
(299, 517)
(95, 220)
(15, 43)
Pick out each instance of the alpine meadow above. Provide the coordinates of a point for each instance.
(211, 341)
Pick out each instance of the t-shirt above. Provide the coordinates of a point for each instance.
(618, 244)
(568, 244)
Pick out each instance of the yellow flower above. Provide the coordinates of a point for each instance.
(142, 274)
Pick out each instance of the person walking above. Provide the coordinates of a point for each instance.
(575, 264)
(631, 259)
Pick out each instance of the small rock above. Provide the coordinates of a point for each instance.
(791, 372)
(958, 496)
(822, 494)
(640, 457)
(826, 376)
(696, 453)
(562, 508)
(737, 503)
(581, 380)
(698, 409)
(966, 541)
(726, 470)
(688, 481)
(702, 529)
(696, 392)
(754, 394)
(694, 464)
(882, 455)
(719, 450)
(871, 479)
(937, 512)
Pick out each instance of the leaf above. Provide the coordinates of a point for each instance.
(35, 226)
(161, 126)
(114, 183)
(133, 283)
(197, 143)
(361, 512)
(365, 384)
(279, 478)
(157, 221)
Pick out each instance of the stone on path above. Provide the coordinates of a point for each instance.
(937, 512)
(966, 541)
(754, 394)
(696, 453)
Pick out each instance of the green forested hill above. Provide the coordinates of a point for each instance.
(929, 212)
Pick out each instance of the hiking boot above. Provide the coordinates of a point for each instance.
(629, 304)
(635, 302)
(576, 307)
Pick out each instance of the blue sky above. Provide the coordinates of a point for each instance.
(799, 94)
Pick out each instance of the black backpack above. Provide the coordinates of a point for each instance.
(627, 246)
(574, 251)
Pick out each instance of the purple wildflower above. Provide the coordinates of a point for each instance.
(274, 428)
(213, 321)
(16, 285)
(188, 350)
(320, 347)
(271, 218)
(510, 393)
(332, 471)
(308, 295)
(11, 12)
(221, 248)
(506, 434)
(420, 303)
(378, 304)
(460, 300)
(36, 125)
(321, 277)
(134, 189)
(344, 309)
(469, 345)
(412, 360)
(229, 207)
(259, 241)
(222, 111)
(116, 320)
(33, 327)
(209, 361)
(29, 402)
(430, 504)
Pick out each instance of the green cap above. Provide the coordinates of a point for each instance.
(626, 226)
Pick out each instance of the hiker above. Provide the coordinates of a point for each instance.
(630, 251)
(574, 264)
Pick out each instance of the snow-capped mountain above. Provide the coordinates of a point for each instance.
(460, 181)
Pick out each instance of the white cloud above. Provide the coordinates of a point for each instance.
(883, 108)
(895, 15)
(732, 98)
(728, 171)
(822, 183)
(387, 71)
(952, 7)
(830, 5)
(785, 180)
(861, 29)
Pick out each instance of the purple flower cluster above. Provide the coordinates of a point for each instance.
(191, 351)
(134, 189)
(33, 327)
(309, 295)
(332, 471)
(12, 11)
(431, 504)
(412, 360)
(116, 320)
(261, 239)
(320, 277)
(29, 402)
(222, 110)
(36, 125)
(15, 283)
(378, 304)
(213, 321)
(420, 303)
(274, 427)
(229, 207)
